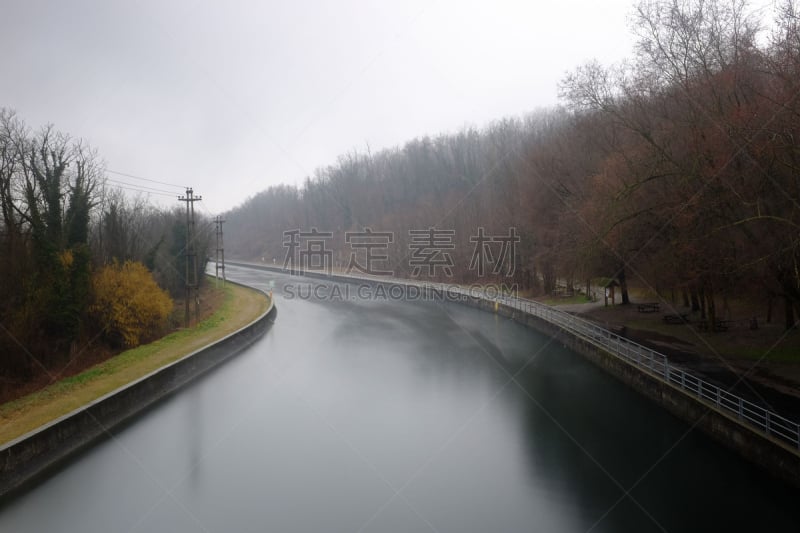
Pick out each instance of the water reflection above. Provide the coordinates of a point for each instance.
(195, 438)
(591, 440)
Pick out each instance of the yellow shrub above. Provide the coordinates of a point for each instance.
(67, 259)
(128, 303)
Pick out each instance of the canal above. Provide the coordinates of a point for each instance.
(365, 414)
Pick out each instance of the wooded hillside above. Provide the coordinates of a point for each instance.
(679, 168)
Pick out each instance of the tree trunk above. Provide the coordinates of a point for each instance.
(770, 298)
(685, 297)
(701, 296)
(695, 299)
(623, 285)
(789, 308)
(548, 279)
(712, 309)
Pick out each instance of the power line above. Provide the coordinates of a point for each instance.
(143, 191)
(118, 182)
(146, 179)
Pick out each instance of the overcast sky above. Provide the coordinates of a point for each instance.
(231, 97)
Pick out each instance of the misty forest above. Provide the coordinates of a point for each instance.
(678, 170)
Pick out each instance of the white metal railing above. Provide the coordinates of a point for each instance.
(646, 359)
(658, 366)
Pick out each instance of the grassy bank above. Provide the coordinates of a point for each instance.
(768, 343)
(239, 307)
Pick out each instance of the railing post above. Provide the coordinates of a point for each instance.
(766, 422)
(700, 388)
(666, 368)
(741, 407)
(719, 397)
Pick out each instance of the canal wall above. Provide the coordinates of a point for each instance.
(769, 453)
(27, 458)
(764, 450)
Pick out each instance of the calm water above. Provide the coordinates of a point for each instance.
(387, 416)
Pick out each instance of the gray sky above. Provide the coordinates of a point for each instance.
(231, 97)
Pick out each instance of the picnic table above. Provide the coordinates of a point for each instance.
(719, 325)
(652, 307)
(677, 319)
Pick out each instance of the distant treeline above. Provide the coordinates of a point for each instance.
(83, 270)
(679, 168)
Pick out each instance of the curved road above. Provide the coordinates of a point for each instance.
(369, 415)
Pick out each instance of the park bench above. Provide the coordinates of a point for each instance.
(676, 319)
(652, 307)
(719, 325)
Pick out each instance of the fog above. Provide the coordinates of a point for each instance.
(231, 99)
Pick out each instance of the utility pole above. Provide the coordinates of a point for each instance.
(191, 255)
(218, 221)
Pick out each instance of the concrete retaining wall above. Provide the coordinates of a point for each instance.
(771, 454)
(28, 457)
